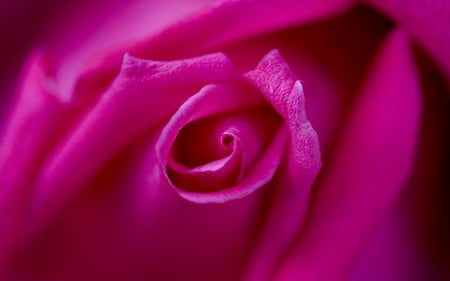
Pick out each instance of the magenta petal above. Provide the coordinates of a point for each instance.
(277, 83)
(104, 26)
(222, 23)
(259, 175)
(144, 94)
(395, 251)
(370, 167)
(230, 21)
(247, 139)
(36, 120)
(428, 21)
(217, 174)
(275, 80)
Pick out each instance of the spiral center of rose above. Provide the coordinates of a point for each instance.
(214, 153)
(204, 141)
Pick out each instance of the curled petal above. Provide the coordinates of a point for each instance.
(370, 167)
(287, 207)
(237, 141)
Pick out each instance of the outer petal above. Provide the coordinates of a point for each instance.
(428, 21)
(369, 170)
(145, 94)
(230, 21)
(35, 123)
(21, 24)
(291, 192)
(395, 251)
(224, 23)
(105, 25)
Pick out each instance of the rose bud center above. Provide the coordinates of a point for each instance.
(214, 153)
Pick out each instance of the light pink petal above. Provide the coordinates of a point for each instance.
(369, 169)
(144, 95)
(302, 163)
(428, 21)
(277, 83)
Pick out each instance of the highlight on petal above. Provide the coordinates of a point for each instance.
(218, 140)
(287, 207)
(370, 168)
(277, 83)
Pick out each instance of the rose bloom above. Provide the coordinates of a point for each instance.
(225, 140)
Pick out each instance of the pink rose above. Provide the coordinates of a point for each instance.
(168, 141)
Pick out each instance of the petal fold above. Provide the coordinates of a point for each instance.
(427, 21)
(369, 169)
(145, 94)
(302, 161)
(252, 128)
(34, 125)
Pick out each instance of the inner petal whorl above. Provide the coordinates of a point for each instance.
(215, 152)
(201, 142)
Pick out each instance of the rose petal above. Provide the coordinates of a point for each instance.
(395, 250)
(224, 23)
(142, 96)
(212, 176)
(230, 21)
(369, 170)
(106, 25)
(36, 121)
(249, 137)
(427, 21)
(275, 80)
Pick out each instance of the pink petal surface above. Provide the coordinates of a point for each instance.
(367, 173)
(394, 251)
(428, 21)
(155, 216)
(288, 205)
(303, 164)
(307, 48)
(33, 128)
(138, 234)
(130, 221)
(145, 94)
(223, 23)
(22, 22)
(250, 133)
(218, 26)
(106, 25)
